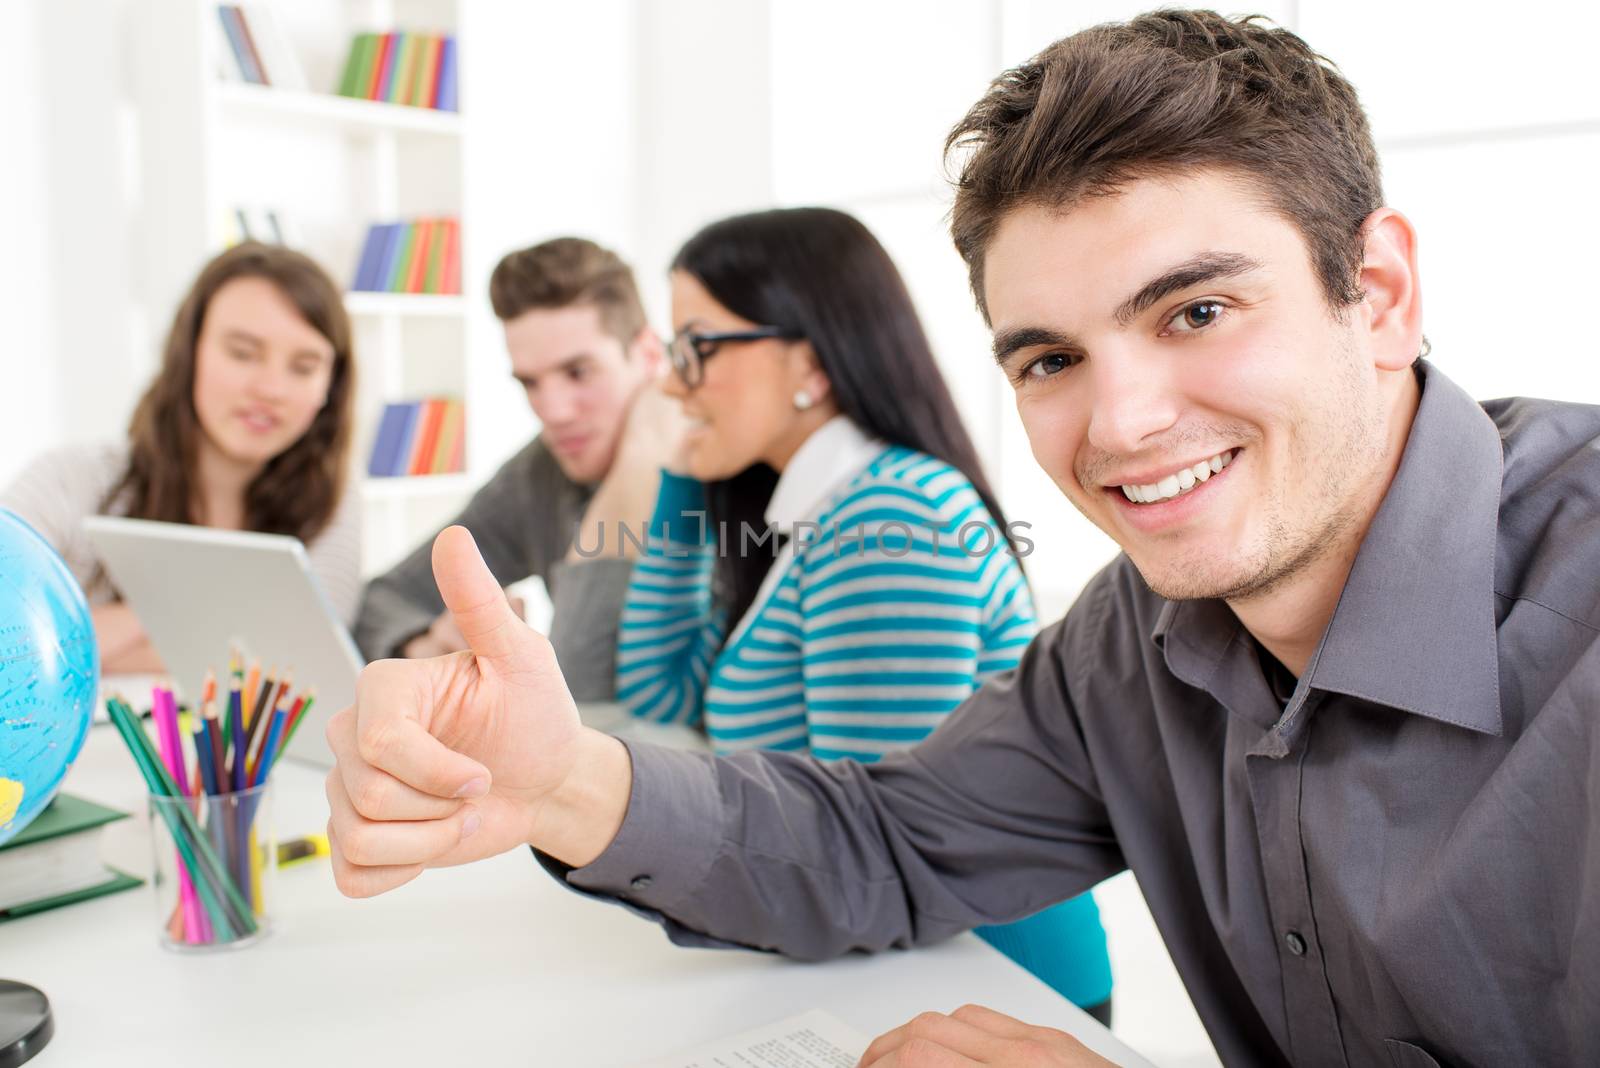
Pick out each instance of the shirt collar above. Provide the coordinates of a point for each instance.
(1414, 628)
(835, 452)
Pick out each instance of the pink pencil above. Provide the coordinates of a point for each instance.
(164, 710)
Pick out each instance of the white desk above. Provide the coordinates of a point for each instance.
(488, 964)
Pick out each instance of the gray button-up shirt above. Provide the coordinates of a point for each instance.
(1399, 865)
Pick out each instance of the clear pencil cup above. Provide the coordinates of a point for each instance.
(216, 862)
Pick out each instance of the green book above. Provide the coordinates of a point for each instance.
(55, 860)
(347, 78)
(433, 275)
(362, 56)
(396, 282)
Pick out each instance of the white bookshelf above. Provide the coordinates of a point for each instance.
(331, 166)
(246, 101)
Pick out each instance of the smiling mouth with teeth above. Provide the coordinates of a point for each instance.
(1179, 482)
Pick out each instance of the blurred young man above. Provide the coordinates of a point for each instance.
(581, 349)
(1335, 705)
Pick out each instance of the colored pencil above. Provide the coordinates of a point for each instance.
(180, 823)
(252, 683)
(236, 726)
(300, 717)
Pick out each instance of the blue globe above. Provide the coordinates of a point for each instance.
(49, 673)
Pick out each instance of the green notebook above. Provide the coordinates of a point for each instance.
(55, 860)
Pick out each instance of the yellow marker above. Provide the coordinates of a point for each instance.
(11, 793)
(301, 849)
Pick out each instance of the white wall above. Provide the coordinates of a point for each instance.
(70, 317)
(29, 394)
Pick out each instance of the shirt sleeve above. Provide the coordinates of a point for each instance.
(335, 555)
(670, 630)
(403, 602)
(55, 492)
(994, 817)
(587, 598)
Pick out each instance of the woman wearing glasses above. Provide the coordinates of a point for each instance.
(827, 569)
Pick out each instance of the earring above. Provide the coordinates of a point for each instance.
(802, 400)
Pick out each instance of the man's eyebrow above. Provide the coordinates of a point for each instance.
(565, 365)
(1201, 267)
(1007, 342)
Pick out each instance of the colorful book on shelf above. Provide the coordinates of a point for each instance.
(446, 454)
(450, 270)
(383, 69)
(386, 445)
(419, 256)
(428, 83)
(358, 65)
(278, 60)
(433, 271)
(444, 97)
(420, 437)
(427, 437)
(55, 860)
(244, 55)
(417, 267)
(402, 67)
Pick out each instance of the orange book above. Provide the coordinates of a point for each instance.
(381, 66)
(417, 268)
(452, 257)
(427, 437)
(428, 71)
(449, 431)
(458, 453)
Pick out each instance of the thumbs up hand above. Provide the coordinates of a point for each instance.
(465, 756)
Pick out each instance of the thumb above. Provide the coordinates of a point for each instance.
(477, 603)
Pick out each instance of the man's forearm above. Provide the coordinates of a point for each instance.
(580, 818)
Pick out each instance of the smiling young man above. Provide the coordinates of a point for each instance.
(581, 350)
(1335, 705)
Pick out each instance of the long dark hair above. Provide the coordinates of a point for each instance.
(299, 490)
(822, 273)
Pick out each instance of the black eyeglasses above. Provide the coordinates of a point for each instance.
(692, 348)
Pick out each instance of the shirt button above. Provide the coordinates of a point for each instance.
(642, 882)
(1297, 945)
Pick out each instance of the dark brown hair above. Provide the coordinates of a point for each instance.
(1169, 92)
(566, 271)
(299, 490)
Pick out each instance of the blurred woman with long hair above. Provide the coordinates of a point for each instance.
(246, 426)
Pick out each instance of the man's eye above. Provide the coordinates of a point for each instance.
(1197, 316)
(1047, 366)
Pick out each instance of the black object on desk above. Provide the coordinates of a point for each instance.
(25, 1022)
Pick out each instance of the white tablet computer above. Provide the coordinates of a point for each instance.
(199, 592)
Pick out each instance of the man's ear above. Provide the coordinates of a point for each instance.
(646, 349)
(1391, 314)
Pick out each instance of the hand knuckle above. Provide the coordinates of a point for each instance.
(1027, 1053)
(919, 1051)
(358, 846)
(378, 742)
(372, 796)
(926, 1021)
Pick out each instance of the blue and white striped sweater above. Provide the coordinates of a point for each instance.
(871, 636)
(867, 641)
